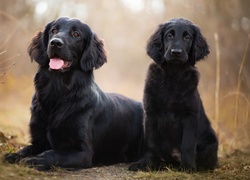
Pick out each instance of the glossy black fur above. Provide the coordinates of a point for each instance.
(177, 130)
(73, 123)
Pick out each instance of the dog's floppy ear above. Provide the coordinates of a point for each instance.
(94, 56)
(200, 48)
(155, 46)
(37, 49)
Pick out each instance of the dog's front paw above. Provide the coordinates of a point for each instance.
(12, 158)
(35, 162)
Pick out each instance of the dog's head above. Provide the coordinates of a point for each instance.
(66, 44)
(177, 41)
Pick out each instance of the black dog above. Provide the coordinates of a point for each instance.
(177, 130)
(73, 123)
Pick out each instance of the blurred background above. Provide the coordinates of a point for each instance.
(125, 26)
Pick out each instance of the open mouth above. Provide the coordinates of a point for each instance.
(59, 64)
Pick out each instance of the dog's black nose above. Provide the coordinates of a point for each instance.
(56, 42)
(176, 52)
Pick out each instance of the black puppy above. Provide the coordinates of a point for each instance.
(177, 130)
(73, 123)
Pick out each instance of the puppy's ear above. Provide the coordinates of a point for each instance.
(155, 46)
(94, 56)
(37, 49)
(200, 48)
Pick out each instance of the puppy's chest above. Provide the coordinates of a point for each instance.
(170, 95)
(169, 88)
(169, 85)
(170, 125)
(170, 119)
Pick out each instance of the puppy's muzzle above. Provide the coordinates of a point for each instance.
(176, 52)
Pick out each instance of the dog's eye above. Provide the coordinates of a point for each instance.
(75, 34)
(187, 37)
(54, 31)
(170, 36)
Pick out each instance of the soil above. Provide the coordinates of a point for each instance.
(233, 166)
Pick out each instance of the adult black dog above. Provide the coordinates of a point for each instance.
(177, 130)
(73, 123)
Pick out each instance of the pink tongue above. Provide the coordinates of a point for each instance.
(56, 63)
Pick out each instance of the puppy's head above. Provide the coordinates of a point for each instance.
(177, 41)
(66, 44)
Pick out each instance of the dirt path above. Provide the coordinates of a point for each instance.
(118, 171)
(233, 166)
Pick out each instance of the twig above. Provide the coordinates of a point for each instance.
(6, 60)
(10, 17)
(3, 52)
(217, 85)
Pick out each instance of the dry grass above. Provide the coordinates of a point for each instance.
(235, 165)
(231, 120)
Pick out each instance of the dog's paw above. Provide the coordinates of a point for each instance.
(35, 162)
(139, 166)
(12, 158)
(187, 169)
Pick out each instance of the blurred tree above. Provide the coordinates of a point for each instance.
(233, 26)
(14, 26)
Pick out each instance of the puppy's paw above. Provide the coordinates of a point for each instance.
(188, 169)
(140, 166)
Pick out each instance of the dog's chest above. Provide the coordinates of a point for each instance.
(52, 96)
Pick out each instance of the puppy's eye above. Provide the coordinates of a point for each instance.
(170, 36)
(75, 34)
(187, 37)
(54, 31)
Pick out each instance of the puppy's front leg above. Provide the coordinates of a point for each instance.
(188, 146)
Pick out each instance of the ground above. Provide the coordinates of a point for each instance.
(235, 165)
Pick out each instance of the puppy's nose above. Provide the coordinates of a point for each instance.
(176, 52)
(56, 42)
